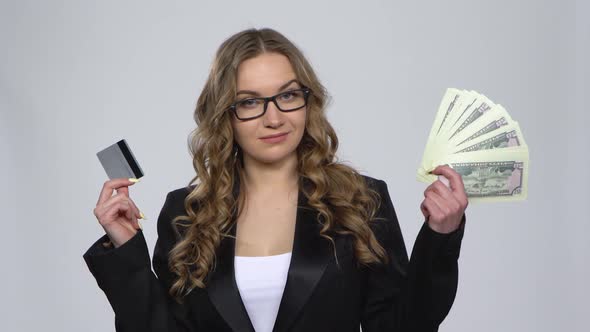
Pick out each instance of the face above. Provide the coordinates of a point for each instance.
(267, 75)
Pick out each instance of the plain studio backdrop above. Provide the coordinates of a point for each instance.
(77, 76)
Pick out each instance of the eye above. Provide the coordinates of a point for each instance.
(248, 103)
(289, 95)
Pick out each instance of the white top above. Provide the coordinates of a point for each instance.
(261, 281)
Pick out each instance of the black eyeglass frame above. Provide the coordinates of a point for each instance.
(306, 93)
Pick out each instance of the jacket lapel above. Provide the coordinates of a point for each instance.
(309, 258)
(223, 289)
(221, 285)
(308, 261)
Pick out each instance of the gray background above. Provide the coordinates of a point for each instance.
(76, 76)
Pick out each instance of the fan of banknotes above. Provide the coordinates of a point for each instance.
(480, 141)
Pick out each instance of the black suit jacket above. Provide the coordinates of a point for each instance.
(319, 295)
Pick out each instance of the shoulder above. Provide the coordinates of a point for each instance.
(376, 184)
(174, 201)
(371, 181)
(173, 206)
(385, 208)
(182, 192)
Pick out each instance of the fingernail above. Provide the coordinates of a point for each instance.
(134, 180)
(142, 216)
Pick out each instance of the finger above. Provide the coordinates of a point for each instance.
(113, 212)
(129, 213)
(449, 199)
(135, 209)
(424, 210)
(123, 191)
(129, 225)
(455, 180)
(133, 214)
(117, 198)
(126, 207)
(445, 181)
(440, 204)
(438, 187)
(442, 190)
(431, 207)
(109, 186)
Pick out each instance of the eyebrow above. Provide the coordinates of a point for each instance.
(284, 86)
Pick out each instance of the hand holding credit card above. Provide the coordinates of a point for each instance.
(118, 214)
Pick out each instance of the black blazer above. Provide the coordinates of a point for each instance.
(319, 295)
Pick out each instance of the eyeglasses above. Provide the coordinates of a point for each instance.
(288, 101)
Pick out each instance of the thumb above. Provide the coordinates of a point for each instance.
(437, 170)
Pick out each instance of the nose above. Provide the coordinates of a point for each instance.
(273, 117)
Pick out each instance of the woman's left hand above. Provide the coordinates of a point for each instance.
(443, 207)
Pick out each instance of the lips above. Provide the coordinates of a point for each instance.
(274, 135)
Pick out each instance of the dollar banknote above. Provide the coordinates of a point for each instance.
(481, 142)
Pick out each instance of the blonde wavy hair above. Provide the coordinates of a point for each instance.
(338, 192)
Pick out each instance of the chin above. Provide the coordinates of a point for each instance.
(271, 158)
(273, 155)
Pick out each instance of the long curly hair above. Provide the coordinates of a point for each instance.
(343, 200)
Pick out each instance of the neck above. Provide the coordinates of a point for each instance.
(268, 178)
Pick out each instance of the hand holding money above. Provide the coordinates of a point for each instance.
(444, 206)
(481, 142)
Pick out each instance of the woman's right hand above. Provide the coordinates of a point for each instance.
(117, 214)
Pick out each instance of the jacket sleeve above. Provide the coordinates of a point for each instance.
(415, 294)
(139, 297)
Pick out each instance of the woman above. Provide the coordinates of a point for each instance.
(274, 233)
